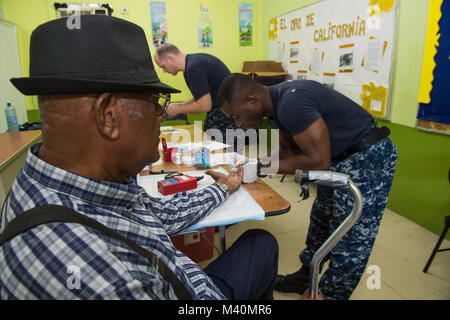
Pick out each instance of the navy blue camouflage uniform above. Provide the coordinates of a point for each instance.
(371, 169)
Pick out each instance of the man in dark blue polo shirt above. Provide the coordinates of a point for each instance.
(203, 74)
(321, 129)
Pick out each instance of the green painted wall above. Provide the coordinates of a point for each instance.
(421, 188)
(412, 18)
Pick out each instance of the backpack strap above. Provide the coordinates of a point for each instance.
(53, 213)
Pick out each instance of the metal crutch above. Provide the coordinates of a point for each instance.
(332, 179)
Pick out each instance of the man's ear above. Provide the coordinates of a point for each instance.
(252, 99)
(107, 116)
(170, 58)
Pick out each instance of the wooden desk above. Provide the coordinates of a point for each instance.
(270, 201)
(13, 152)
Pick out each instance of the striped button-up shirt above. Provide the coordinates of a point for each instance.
(70, 261)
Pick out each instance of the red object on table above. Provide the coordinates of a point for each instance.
(177, 184)
(168, 153)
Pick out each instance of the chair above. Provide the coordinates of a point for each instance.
(438, 244)
(441, 238)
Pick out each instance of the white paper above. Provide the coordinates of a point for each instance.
(216, 159)
(316, 61)
(212, 145)
(376, 105)
(240, 206)
(373, 57)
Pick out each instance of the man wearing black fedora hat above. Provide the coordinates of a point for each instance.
(101, 104)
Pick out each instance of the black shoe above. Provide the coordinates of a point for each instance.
(296, 282)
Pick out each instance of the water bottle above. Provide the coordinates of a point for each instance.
(11, 118)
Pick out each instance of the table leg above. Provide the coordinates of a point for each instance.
(222, 239)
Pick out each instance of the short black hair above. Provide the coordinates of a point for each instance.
(165, 49)
(234, 87)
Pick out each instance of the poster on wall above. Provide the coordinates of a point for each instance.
(158, 22)
(434, 100)
(205, 31)
(344, 44)
(245, 24)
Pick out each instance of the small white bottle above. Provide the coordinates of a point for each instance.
(178, 157)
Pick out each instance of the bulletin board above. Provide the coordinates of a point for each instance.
(434, 99)
(345, 44)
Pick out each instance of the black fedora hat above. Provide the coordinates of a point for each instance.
(99, 54)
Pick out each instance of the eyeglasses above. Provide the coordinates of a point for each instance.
(162, 102)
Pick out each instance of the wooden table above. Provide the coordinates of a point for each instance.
(13, 152)
(270, 201)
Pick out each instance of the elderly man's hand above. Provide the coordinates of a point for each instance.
(232, 180)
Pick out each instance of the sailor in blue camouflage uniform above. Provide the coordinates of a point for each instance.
(372, 170)
(203, 74)
(321, 129)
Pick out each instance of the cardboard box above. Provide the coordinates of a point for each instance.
(266, 72)
(263, 68)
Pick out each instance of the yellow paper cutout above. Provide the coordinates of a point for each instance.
(384, 5)
(273, 28)
(371, 92)
(431, 44)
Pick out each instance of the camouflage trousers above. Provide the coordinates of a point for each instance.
(372, 169)
(216, 119)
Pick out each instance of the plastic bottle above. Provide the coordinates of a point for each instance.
(178, 157)
(11, 118)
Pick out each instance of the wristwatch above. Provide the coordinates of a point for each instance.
(224, 188)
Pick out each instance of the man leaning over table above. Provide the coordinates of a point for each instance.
(321, 129)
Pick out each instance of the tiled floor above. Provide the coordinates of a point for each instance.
(400, 252)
